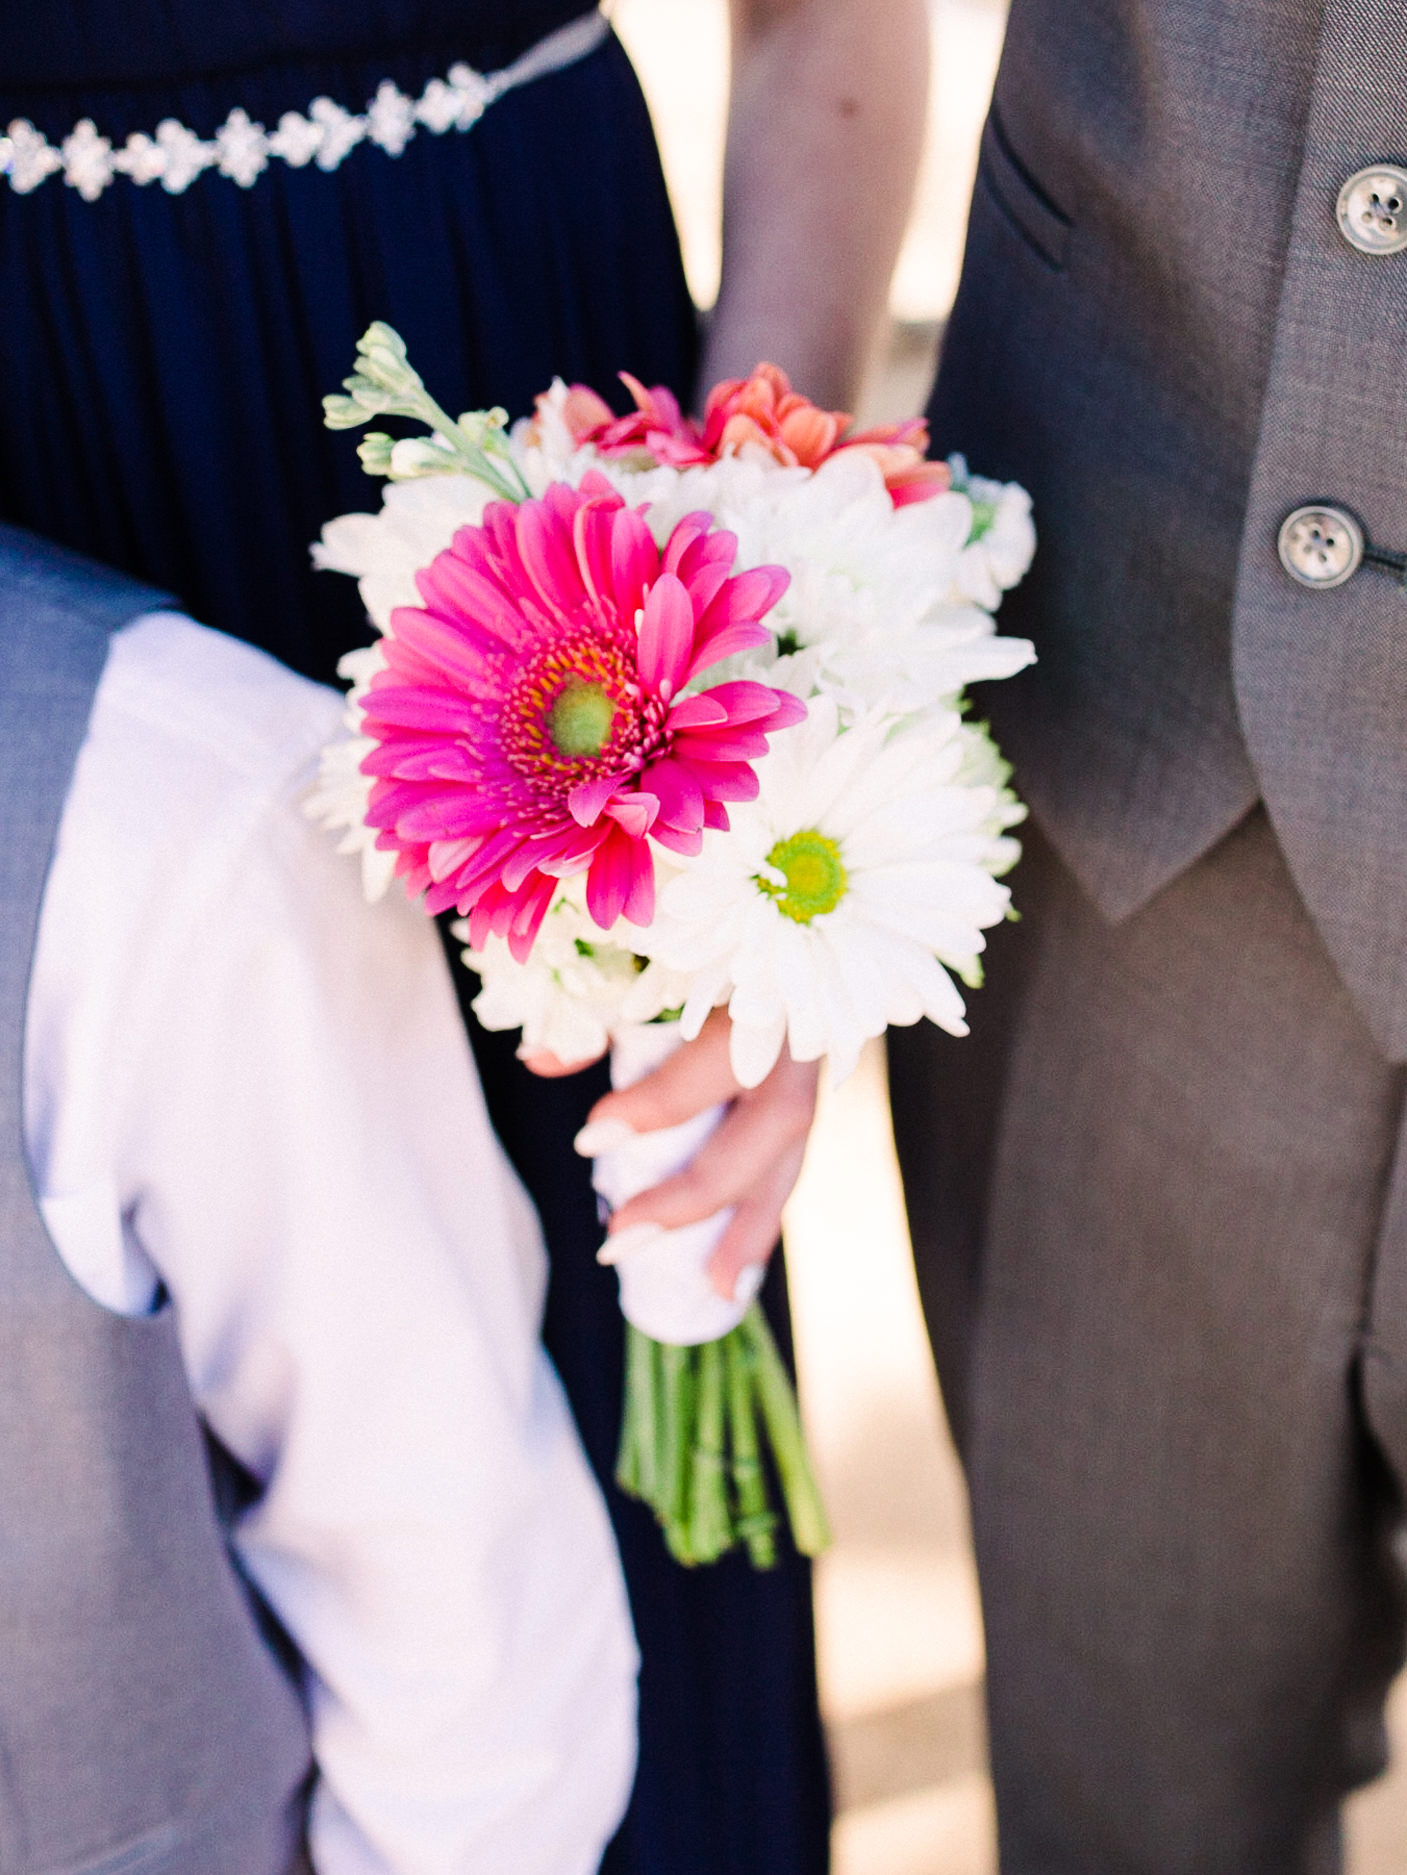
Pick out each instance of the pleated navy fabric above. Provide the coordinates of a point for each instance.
(163, 358)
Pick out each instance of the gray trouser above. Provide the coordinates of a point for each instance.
(1160, 1215)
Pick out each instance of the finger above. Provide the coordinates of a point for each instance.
(697, 1076)
(760, 1131)
(538, 1061)
(750, 1239)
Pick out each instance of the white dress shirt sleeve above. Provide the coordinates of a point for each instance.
(248, 1085)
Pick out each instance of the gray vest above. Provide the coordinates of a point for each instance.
(145, 1726)
(1163, 333)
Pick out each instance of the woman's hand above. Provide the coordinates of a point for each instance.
(751, 1160)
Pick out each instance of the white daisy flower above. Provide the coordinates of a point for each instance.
(870, 583)
(384, 551)
(1003, 537)
(829, 910)
(576, 989)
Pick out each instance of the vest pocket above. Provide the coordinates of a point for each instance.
(1018, 195)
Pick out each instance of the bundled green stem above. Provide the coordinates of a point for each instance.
(703, 1427)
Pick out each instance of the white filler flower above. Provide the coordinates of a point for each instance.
(341, 795)
(829, 911)
(1003, 537)
(576, 989)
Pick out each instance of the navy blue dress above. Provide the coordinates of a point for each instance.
(163, 357)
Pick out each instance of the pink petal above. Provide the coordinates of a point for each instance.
(724, 643)
(726, 781)
(487, 860)
(747, 702)
(680, 796)
(640, 899)
(644, 401)
(490, 916)
(426, 761)
(904, 494)
(438, 814)
(448, 856)
(752, 595)
(456, 590)
(442, 897)
(685, 840)
(567, 850)
(740, 606)
(416, 876)
(636, 813)
(595, 486)
(700, 712)
(545, 545)
(450, 649)
(705, 579)
(635, 562)
(666, 636)
(416, 709)
(519, 866)
(496, 540)
(721, 745)
(567, 864)
(588, 799)
(481, 924)
(678, 452)
(681, 547)
(610, 879)
(591, 539)
(528, 915)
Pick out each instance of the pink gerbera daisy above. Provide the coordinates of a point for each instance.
(530, 723)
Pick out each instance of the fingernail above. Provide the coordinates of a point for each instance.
(749, 1282)
(603, 1136)
(624, 1243)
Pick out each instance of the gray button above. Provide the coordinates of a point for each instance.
(1373, 210)
(1320, 546)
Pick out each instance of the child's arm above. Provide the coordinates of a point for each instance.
(272, 1081)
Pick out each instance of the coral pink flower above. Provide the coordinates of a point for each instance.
(530, 723)
(764, 411)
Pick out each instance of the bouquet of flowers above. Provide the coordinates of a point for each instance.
(671, 714)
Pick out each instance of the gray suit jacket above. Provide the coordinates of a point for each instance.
(1162, 332)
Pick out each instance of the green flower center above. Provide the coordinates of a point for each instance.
(581, 719)
(813, 875)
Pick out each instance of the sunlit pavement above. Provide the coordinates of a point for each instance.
(899, 1630)
(900, 1634)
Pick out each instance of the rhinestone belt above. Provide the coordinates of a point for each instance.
(242, 150)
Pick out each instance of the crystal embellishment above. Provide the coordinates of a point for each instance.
(241, 150)
(87, 160)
